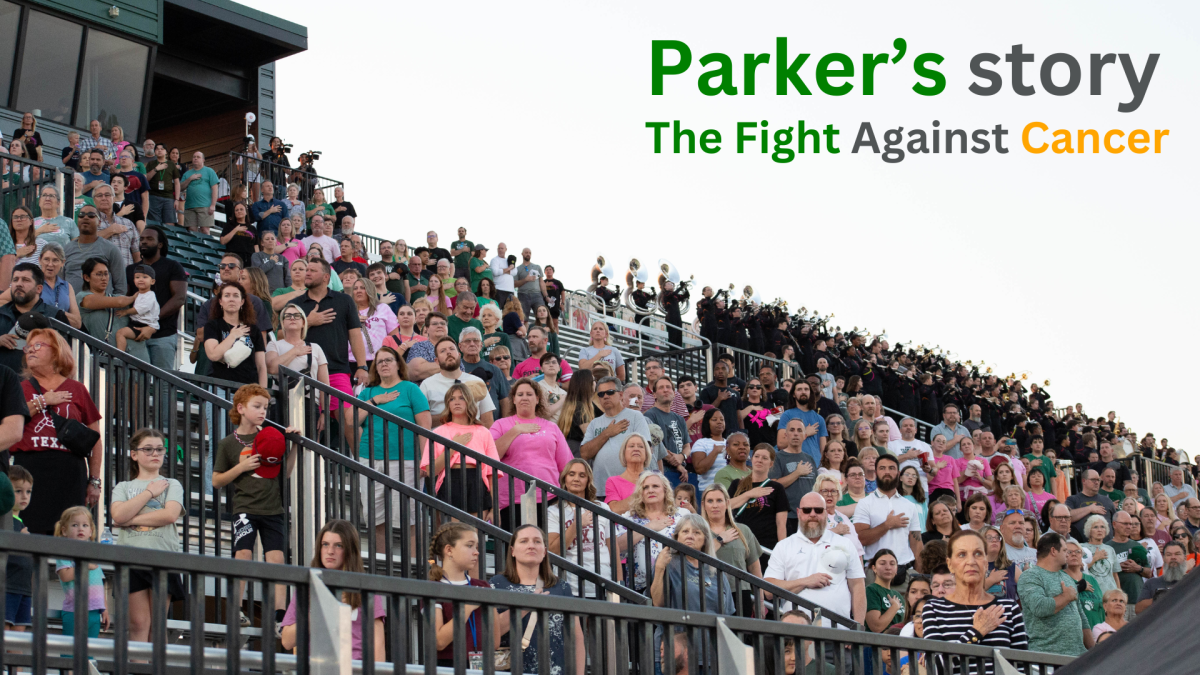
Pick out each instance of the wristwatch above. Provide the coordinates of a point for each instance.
(95, 482)
(364, 368)
(718, 538)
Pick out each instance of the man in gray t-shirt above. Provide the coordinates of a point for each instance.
(530, 283)
(604, 436)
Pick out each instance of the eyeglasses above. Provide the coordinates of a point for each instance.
(809, 510)
(152, 450)
(385, 362)
(229, 266)
(20, 217)
(289, 317)
(856, 475)
(31, 348)
(829, 491)
(1066, 517)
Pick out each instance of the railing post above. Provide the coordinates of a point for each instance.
(330, 646)
(733, 656)
(1002, 666)
(311, 484)
(529, 505)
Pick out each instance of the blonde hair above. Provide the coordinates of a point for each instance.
(717, 487)
(372, 295)
(834, 477)
(625, 444)
(64, 521)
(638, 507)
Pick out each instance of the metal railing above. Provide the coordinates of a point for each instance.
(746, 364)
(693, 362)
(527, 487)
(132, 394)
(605, 635)
(23, 180)
(254, 169)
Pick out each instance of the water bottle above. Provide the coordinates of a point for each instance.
(106, 536)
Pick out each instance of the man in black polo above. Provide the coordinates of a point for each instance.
(26, 291)
(170, 289)
(332, 323)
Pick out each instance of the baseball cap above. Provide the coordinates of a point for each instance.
(481, 247)
(144, 269)
(269, 446)
(835, 563)
(29, 322)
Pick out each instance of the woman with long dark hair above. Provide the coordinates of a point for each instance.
(231, 341)
(579, 409)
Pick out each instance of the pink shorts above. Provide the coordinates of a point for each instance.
(343, 383)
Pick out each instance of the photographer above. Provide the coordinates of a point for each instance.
(277, 156)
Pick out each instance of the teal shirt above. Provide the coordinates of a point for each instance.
(1053, 632)
(199, 191)
(406, 406)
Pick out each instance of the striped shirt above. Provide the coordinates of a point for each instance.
(951, 622)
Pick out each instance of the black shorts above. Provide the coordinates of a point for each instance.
(141, 580)
(470, 495)
(268, 528)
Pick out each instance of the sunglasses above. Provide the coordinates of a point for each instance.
(809, 510)
(606, 393)
(229, 266)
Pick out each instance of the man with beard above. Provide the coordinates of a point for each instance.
(884, 519)
(1174, 560)
(975, 421)
(332, 323)
(450, 372)
(815, 433)
(1089, 501)
(1054, 619)
(170, 289)
(674, 428)
(951, 430)
(654, 370)
(819, 565)
(824, 406)
(26, 292)
(532, 366)
(1012, 528)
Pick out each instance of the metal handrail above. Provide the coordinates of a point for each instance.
(633, 633)
(742, 359)
(177, 384)
(290, 377)
(272, 171)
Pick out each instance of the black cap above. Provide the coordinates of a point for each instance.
(29, 322)
(144, 269)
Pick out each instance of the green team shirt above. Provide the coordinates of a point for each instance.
(1046, 467)
(1092, 602)
(252, 494)
(463, 259)
(1131, 582)
(163, 182)
(881, 599)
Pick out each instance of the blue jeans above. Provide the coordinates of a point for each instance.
(163, 352)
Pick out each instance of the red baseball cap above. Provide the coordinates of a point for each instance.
(269, 446)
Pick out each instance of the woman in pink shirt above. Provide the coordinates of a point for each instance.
(618, 490)
(471, 485)
(975, 474)
(286, 243)
(529, 442)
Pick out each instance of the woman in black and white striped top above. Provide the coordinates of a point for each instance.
(970, 615)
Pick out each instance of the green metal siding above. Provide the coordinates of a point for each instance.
(140, 18)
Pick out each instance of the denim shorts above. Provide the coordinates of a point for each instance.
(18, 610)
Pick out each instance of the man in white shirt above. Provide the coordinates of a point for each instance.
(1012, 528)
(818, 565)
(885, 519)
(449, 373)
(910, 451)
(502, 275)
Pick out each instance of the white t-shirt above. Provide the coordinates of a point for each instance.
(589, 545)
(146, 305)
(900, 447)
(435, 387)
(375, 329)
(874, 509)
(706, 479)
(504, 282)
(797, 557)
(300, 363)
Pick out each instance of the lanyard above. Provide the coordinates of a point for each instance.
(743, 506)
(470, 618)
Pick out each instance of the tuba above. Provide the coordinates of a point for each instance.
(638, 274)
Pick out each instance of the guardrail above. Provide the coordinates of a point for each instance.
(612, 639)
(132, 394)
(33, 177)
(255, 169)
(527, 487)
(746, 364)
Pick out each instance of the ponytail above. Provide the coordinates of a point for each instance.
(446, 535)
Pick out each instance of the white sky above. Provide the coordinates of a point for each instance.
(524, 122)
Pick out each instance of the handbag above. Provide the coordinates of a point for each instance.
(73, 435)
(503, 655)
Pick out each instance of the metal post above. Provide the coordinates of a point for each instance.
(330, 646)
(305, 490)
(529, 505)
(733, 656)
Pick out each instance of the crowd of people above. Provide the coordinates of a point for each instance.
(804, 481)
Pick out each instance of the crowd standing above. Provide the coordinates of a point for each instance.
(801, 480)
